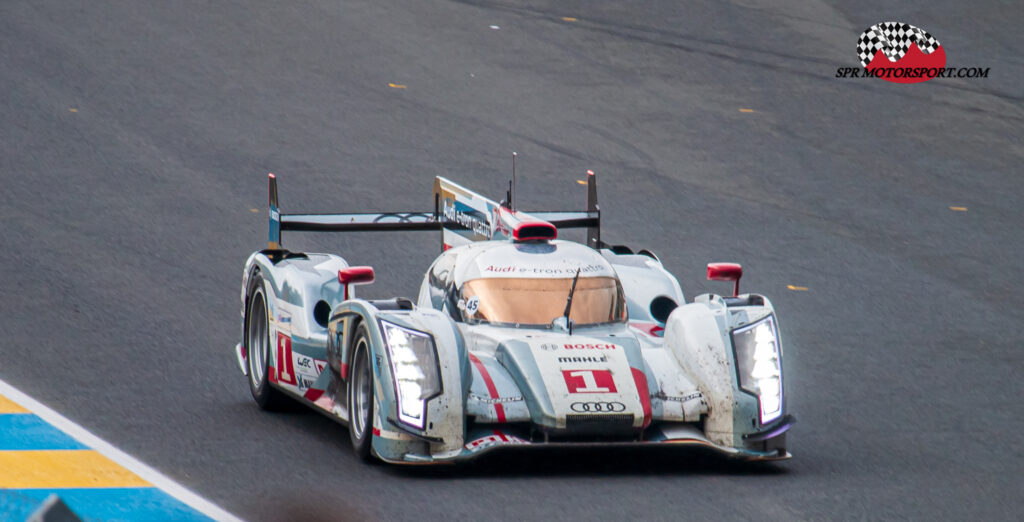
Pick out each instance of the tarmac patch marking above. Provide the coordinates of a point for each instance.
(9, 406)
(63, 469)
(581, 181)
(24, 431)
(396, 86)
(42, 452)
(72, 110)
(958, 209)
(797, 288)
(746, 110)
(569, 19)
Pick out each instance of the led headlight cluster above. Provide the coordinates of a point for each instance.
(414, 369)
(759, 363)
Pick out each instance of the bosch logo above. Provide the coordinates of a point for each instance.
(597, 407)
(589, 346)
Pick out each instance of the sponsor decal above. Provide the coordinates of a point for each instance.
(548, 347)
(597, 407)
(285, 365)
(495, 400)
(589, 346)
(902, 53)
(284, 319)
(567, 271)
(493, 440)
(584, 359)
(403, 217)
(547, 270)
(307, 369)
(282, 316)
(304, 382)
(493, 268)
(472, 305)
(692, 396)
(303, 362)
(472, 220)
(589, 381)
(685, 398)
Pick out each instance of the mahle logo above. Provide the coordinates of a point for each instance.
(902, 53)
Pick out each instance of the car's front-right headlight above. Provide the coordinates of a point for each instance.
(415, 371)
(759, 365)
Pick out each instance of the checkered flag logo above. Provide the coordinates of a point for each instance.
(894, 39)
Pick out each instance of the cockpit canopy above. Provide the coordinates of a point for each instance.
(524, 284)
(538, 301)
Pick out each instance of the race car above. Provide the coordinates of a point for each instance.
(515, 339)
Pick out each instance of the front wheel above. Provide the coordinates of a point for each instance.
(360, 395)
(257, 344)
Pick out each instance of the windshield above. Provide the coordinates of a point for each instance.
(537, 302)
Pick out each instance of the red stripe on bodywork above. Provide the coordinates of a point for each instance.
(645, 394)
(376, 432)
(651, 329)
(313, 394)
(499, 410)
(325, 402)
(344, 371)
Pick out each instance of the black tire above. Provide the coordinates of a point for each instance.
(257, 348)
(361, 395)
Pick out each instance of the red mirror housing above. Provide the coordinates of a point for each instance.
(355, 275)
(726, 272)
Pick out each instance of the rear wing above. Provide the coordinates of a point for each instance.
(461, 215)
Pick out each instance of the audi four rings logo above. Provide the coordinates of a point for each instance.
(597, 407)
(548, 347)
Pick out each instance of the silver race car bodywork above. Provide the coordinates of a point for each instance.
(516, 338)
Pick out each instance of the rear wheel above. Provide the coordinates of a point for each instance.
(360, 395)
(257, 344)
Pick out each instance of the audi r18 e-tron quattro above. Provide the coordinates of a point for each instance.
(516, 338)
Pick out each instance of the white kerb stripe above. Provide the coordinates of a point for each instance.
(127, 461)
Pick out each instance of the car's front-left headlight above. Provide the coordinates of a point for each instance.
(415, 371)
(759, 365)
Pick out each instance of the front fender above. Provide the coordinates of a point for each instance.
(698, 336)
(444, 432)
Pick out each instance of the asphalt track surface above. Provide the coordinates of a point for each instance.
(127, 220)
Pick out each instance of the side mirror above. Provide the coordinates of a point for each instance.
(726, 272)
(355, 275)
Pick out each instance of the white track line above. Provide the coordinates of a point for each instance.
(125, 460)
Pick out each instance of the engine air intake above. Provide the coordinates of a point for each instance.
(534, 232)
